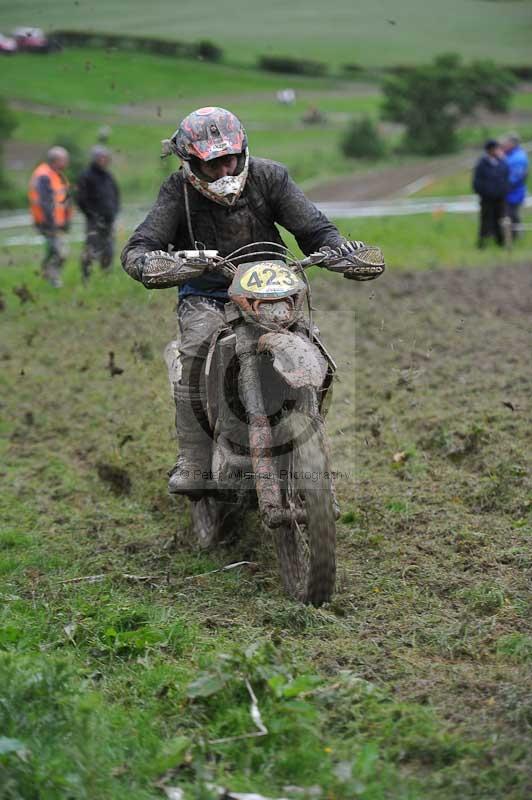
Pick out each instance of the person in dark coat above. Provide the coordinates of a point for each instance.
(98, 198)
(490, 182)
(224, 199)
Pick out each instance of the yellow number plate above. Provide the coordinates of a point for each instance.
(268, 279)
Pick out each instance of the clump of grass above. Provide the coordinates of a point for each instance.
(501, 488)
(516, 647)
(484, 599)
(468, 541)
(456, 445)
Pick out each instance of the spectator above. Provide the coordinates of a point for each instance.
(98, 197)
(490, 182)
(51, 209)
(517, 161)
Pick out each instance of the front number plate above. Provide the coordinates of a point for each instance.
(269, 278)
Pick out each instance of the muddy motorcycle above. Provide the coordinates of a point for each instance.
(267, 378)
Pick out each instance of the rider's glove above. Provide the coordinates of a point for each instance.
(349, 247)
(161, 270)
(158, 269)
(355, 260)
(338, 257)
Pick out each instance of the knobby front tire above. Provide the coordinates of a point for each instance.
(307, 551)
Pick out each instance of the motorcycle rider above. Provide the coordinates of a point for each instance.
(224, 199)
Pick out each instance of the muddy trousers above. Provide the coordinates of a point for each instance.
(55, 253)
(492, 212)
(198, 318)
(99, 246)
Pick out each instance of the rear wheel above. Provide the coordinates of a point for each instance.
(307, 550)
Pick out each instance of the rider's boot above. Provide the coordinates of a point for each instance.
(192, 469)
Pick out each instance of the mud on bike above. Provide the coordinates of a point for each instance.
(267, 378)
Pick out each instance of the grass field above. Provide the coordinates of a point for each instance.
(412, 685)
(78, 91)
(74, 92)
(368, 33)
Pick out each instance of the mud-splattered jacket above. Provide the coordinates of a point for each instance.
(269, 197)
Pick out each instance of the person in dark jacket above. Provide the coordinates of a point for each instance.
(224, 199)
(490, 182)
(98, 198)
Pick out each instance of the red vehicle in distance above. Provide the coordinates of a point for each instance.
(31, 40)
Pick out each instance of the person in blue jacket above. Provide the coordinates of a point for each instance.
(517, 161)
(490, 182)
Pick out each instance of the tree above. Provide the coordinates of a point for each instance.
(432, 100)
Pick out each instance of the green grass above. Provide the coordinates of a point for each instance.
(368, 33)
(109, 687)
(432, 241)
(96, 80)
(450, 186)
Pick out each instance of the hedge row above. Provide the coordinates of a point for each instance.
(205, 50)
(292, 66)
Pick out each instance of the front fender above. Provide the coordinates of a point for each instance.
(298, 361)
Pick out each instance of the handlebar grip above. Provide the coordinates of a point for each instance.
(201, 254)
(314, 259)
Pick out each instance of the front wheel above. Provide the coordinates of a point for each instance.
(307, 550)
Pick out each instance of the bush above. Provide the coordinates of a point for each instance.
(363, 140)
(352, 70)
(209, 51)
(292, 66)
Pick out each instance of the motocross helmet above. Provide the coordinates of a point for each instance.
(204, 135)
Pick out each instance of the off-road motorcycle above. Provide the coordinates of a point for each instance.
(267, 379)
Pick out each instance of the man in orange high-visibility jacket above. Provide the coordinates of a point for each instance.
(51, 209)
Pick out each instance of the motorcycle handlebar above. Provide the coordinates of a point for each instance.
(368, 265)
(313, 260)
(203, 255)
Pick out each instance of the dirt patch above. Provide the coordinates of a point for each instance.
(22, 155)
(384, 182)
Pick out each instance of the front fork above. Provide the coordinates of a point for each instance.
(260, 434)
